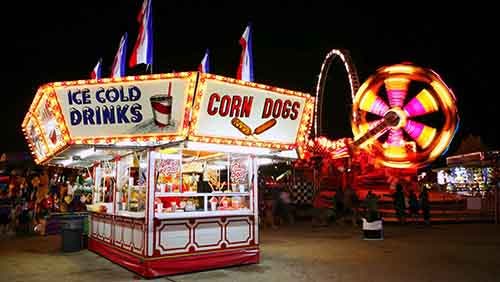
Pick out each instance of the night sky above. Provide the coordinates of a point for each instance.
(47, 41)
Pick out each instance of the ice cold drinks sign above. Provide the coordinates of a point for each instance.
(127, 108)
(106, 105)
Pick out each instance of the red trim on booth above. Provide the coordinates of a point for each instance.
(175, 265)
(133, 263)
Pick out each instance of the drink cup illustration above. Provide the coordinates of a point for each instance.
(162, 109)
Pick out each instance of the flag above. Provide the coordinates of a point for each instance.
(245, 69)
(205, 64)
(96, 72)
(118, 68)
(143, 49)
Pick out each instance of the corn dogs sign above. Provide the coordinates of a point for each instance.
(233, 110)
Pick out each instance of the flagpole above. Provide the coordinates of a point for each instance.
(150, 19)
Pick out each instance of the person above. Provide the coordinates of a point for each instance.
(370, 204)
(5, 207)
(285, 203)
(43, 212)
(399, 203)
(413, 205)
(425, 205)
(267, 218)
(24, 216)
(350, 200)
(339, 203)
(322, 211)
(355, 207)
(276, 206)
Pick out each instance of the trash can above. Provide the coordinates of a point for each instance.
(373, 230)
(85, 234)
(71, 232)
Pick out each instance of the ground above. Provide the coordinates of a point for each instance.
(444, 252)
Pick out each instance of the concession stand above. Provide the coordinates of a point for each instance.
(174, 159)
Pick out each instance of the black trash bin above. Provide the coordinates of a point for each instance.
(71, 232)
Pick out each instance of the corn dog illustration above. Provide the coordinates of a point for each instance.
(265, 126)
(241, 126)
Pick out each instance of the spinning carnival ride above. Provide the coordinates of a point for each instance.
(399, 130)
(404, 116)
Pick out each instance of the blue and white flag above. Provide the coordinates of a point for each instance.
(96, 72)
(205, 63)
(118, 68)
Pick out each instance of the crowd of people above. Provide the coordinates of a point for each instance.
(348, 207)
(411, 204)
(28, 197)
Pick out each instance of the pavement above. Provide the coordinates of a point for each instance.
(444, 252)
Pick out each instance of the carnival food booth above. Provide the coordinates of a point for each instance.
(471, 178)
(174, 159)
(469, 173)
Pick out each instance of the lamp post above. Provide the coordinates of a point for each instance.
(497, 187)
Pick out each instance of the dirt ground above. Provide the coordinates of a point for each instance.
(445, 252)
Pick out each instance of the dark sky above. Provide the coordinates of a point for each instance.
(46, 41)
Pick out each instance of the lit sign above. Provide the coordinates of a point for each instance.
(47, 119)
(225, 108)
(148, 109)
(125, 108)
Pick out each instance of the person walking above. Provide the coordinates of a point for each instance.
(350, 202)
(5, 212)
(339, 203)
(371, 207)
(277, 206)
(425, 205)
(399, 203)
(413, 205)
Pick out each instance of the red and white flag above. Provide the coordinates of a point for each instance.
(118, 68)
(143, 49)
(205, 63)
(96, 72)
(245, 69)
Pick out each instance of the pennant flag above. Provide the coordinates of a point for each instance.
(143, 49)
(205, 64)
(118, 68)
(245, 69)
(96, 72)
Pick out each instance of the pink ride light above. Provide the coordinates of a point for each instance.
(421, 104)
(395, 137)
